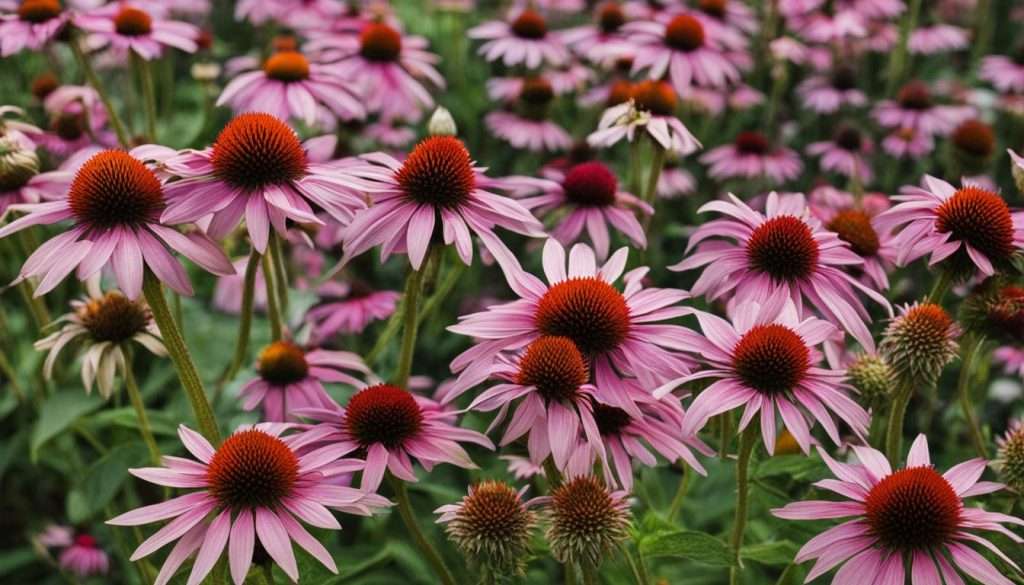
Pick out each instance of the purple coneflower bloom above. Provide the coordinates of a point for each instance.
(391, 425)
(525, 122)
(227, 293)
(911, 517)
(929, 40)
(348, 307)
(1012, 359)
(767, 360)
(525, 40)
(752, 155)
(30, 24)
(1004, 73)
(914, 108)
(114, 203)
(651, 110)
(847, 154)
(782, 253)
(682, 49)
(908, 143)
(257, 168)
(855, 224)
(255, 485)
(589, 195)
(827, 94)
(971, 226)
(603, 41)
(438, 178)
(675, 181)
(292, 378)
(84, 557)
(124, 27)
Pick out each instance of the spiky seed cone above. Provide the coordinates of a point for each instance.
(492, 528)
(17, 165)
(995, 309)
(872, 377)
(587, 521)
(1009, 461)
(919, 343)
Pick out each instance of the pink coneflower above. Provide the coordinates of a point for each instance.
(257, 168)
(84, 558)
(114, 203)
(914, 108)
(855, 225)
(828, 94)
(730, 13)
(941, 38)
(847, 154)
(752, 155)
(20, 179)
(1004, 73)
(526, 124)
(911, 517)
(620, 332)
(675, 181)
(880, 9)
(347, 308)
(124, 27)
(603, 41)
(908, 143)
(385, 66)
(590, 198)
(31, 24)
(682, 49)
(255, 486)
(289, 86)
(1012, 359)
(227, 293)
(767, 360)
(525, 40)
(783, 253)
(292, 378)
(391, 426)
(651, 110)
(836, 25)
(437, 178)
(13, 127)
(970, 226)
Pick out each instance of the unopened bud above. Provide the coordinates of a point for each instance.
(17, 164)
(441, 123)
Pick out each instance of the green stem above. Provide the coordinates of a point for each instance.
(280, 272)
(135, 396)
(36, 307)
(636, 566)
(12, 377)
(552, 474)
(179, 353)
(94, 81)
(725, 438)
(589, 574)
(657, 163)
(970, 348)
(897, 411)
(410, 325)
(145, 72)
(266, 573)
(677, 500)
(898, 60)
(430, 554)
(569, 574)
(245, 322)
(941, 287)
(441, 292)
(747, 442)
(982, 33)
(273, 308)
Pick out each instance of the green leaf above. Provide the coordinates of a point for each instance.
(794, 466)
(12, 560)
(102, 481)
(59, 412)
(687, 544)
(160, 423)
(773, 554)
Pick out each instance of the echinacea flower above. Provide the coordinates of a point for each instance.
(391, 427)
(766, 359)
(751, 156)
(919, 342)
(31, 25)
(125, 27)
(1009, 461)
(289, 86)
(856, 225)
(524, 40)
(1005, 73)
(909, 523)
(603, 41)
(291, 378)
(438, 178)
(77, 122)
(114, 203)
(675, 181)
(651, 111)
(939, 38)
(254, 487)
(108, 323)
(828, 94)
(621, 333)
(492, 526)
(228, 292)
(974, 143)
(386, 66)
(782, 252)
(916, 109)
(256, 168)
(347, 308)
(969, 228)
(526, 123)
(84, 558)
(847, 154)
(682, 50)
(908, 143)
(586, 196)
(587, 521)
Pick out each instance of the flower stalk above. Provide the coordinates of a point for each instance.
(273, 306)
(898, 60)
(94, 81)
(748, 440)
(245, 319)
(897, 412)
(410, 320)
(144, 71)
(430, 554)
(135, 396)
(970, 347)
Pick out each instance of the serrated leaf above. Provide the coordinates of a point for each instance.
(774, 554)
(102, 481)
(59, 412)
(687, 544)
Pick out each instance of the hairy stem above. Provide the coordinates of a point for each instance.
(410, 325)
(245, 322)
(897, 411)
(144, 70)
(273, 307)
(747, 442)
(280, 272)
(94, 81)
(430, 554)
(970, 348)
(135, 396)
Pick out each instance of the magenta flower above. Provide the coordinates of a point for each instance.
(525, 121)
(114, 203)
(752, 156)
(31, 24)
(587, 196)
(908, 143)
(292, 378)
(84, 558)
(525, 40)
(255, 485)
(971, 226)
(386, 67)
(347, 308)
(77, 122)
(783, 253)
(675, 181)
(847, 154)
(857, 226)
(125, 27)
(1011, 358)
(618, 332)
(227, 293)
(1004, 73)
(940, 38)
(828, 94)
(683, 50)
(915, 108)
(391, 426)
(289, 86)
(438, 178)
(912, 517)
(767, 360)
(257, 168)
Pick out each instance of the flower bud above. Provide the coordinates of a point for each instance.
(587, 521)
(491, 526)
(1009, 461)
(17, 164)
(441, 123)
(1017, 169)
(920, 342)
(872, 377)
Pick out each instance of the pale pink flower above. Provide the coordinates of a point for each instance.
(752, 155)
(525, 40)
(828, 94)
(84, 558)
(1012, 359)
(940, 38)
(855, 224)
(347, 308)
(30, 24)
(603, 41)
(1004, 73)
(847, 154)
(528, 133)
(649, 112)
(914, 108)
(227, 293)
(125, 27)
(682, 49)
(908, 143)
(675, 181)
